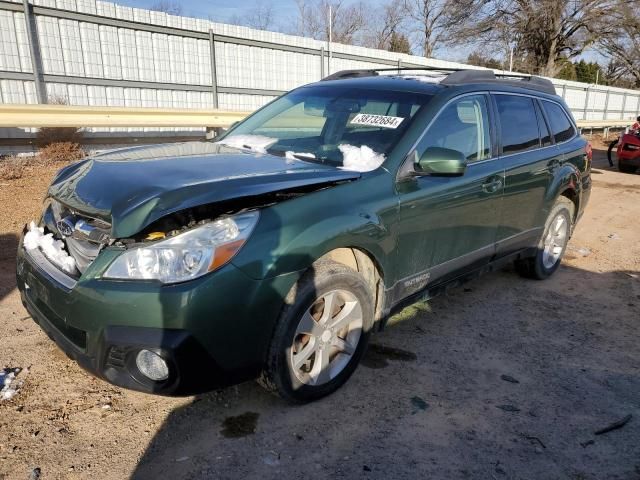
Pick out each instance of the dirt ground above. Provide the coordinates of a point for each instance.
(502, 378)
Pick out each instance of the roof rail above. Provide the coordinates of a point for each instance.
(532, 81)
(488, 76)
(457, 76)
(468, 76)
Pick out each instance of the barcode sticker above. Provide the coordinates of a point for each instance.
(376, 120)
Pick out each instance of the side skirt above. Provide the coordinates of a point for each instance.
(437, 288)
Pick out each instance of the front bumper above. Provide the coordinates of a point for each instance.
(212, 332)
(112, 357)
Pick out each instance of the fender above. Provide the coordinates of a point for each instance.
(361, 230)
(291, 235)
(566, 177)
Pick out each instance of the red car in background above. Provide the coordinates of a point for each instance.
(629, 152)
(627, 149)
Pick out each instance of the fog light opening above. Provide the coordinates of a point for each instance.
(152, 365)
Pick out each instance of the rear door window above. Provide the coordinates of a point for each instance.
(561, 127)
(518, 122)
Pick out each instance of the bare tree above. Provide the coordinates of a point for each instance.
(542, 32)
(167, 6)
(386, 22)
(436, 23)
(308, 22)
(347, 20)
(260, 16)
(622, 45)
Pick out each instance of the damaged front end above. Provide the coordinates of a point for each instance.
(132, 263)
(177, 247)
(112, 200)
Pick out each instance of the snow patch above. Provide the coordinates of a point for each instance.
(425, 78)
(360, 159)
(8, 382)
(256, 143)
(52, 249)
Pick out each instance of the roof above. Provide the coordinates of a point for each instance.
(388, 82)
(431, 80)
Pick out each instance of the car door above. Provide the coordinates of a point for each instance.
(529, 158)
(448, 224)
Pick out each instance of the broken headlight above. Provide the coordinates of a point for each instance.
(188, 255)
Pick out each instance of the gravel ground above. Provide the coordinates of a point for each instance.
(501, 378)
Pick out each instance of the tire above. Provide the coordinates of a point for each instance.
(549, 254)
(626, 168)
(612, 145)
(304, 311)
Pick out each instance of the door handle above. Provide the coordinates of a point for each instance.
(492, 186)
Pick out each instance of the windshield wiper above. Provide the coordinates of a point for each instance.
(304, 156)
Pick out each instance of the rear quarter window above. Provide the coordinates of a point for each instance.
(518, 123)
(561, 127)
(542, 127)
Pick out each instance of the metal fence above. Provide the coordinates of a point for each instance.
(96, 53)
(18, 115)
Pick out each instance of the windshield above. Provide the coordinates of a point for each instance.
(349, 128)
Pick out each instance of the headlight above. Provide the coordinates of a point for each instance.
(188, 255)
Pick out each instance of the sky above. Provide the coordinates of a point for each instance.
(220, 10)
(285, 10)
(285, 13)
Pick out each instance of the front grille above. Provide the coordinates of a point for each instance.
(82, 235)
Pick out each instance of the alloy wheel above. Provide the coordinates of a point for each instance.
(555, 240)
(326, 337)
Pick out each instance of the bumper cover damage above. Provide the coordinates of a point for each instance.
(102, 332)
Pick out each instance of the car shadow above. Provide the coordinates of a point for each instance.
(452, 389)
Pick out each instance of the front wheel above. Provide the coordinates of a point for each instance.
(321, 334)
(553, 243)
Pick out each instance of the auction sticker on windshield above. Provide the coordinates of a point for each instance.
(376, 120)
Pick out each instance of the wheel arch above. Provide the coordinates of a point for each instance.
(567, 184)
(572, 195)
(365, 263)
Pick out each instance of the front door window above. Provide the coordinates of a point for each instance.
(463, 126)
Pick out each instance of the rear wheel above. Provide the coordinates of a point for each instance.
(553, 243)
(321, 334)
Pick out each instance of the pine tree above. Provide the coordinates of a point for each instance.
(399, 43)
(567, 72)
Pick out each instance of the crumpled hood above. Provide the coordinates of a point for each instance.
(133, 187)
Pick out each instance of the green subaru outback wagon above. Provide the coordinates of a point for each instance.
(275, 251)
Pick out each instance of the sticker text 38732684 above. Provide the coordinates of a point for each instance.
(376, 120)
